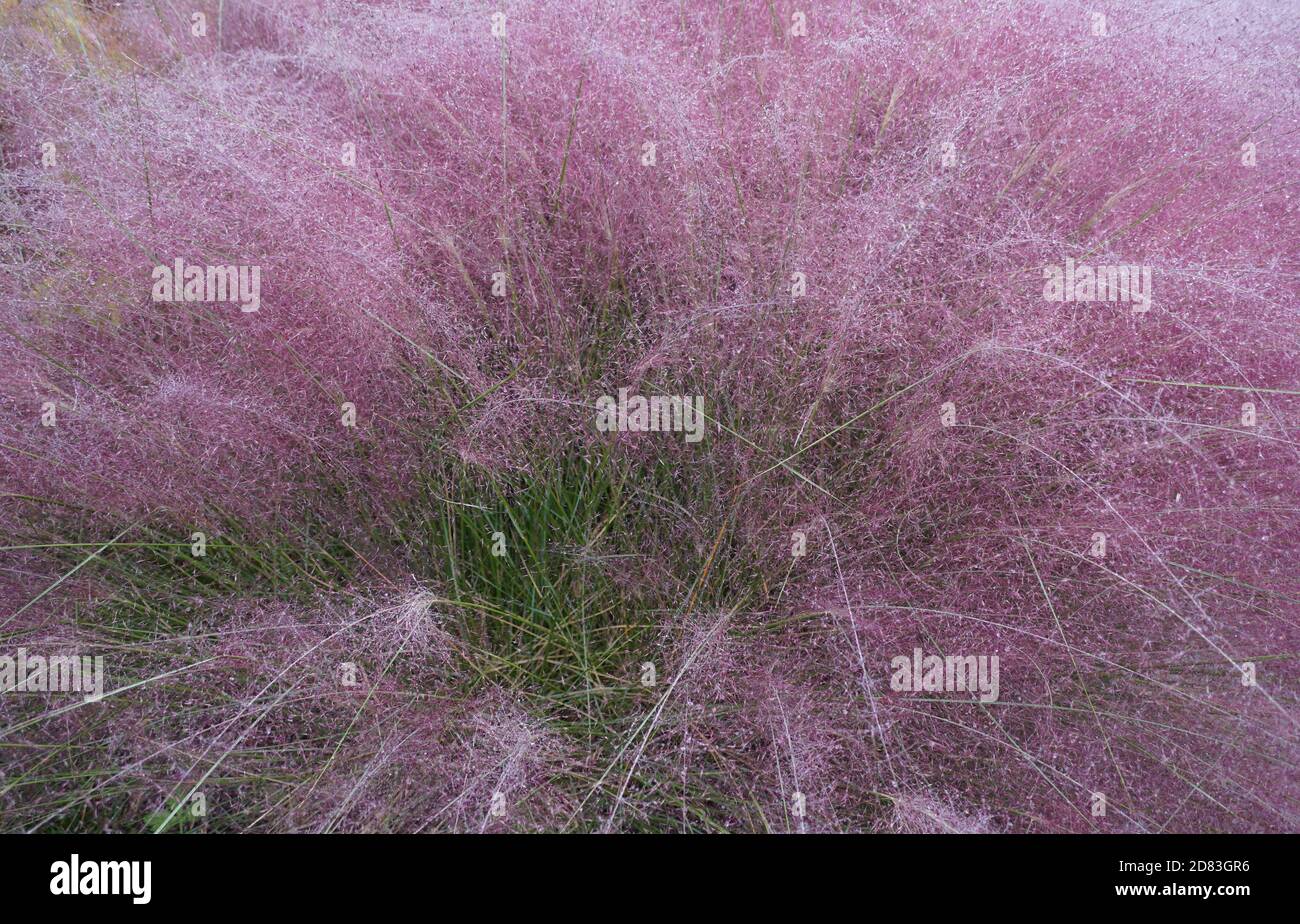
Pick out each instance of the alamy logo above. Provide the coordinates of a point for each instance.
(103, 877)
(26, 673)
(195, 283)
(1079, 282)
(934, 674)
(661, 413)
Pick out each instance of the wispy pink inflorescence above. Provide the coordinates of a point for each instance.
(840, 235)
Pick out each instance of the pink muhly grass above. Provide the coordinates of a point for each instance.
(825, 155)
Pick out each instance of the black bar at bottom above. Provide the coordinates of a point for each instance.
(585, 874)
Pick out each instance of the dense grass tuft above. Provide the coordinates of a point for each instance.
(474, 611)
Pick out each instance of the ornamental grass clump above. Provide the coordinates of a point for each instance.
(342, 348)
